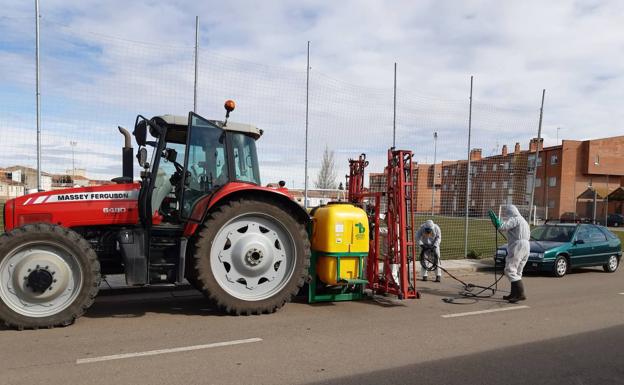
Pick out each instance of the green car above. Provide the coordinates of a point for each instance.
(557, 248)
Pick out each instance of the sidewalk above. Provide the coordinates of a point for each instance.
(468, 265)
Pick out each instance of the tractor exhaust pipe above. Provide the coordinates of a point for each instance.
(127, 155)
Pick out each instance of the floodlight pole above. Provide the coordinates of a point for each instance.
(435, 151)
(539, 137)
(196, 52)
(38, 95)
(468, 174)
(305, 189)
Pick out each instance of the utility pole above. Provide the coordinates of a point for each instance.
(38, 95)
(196, 52)
(468, 173)
(539, 139)
(394, 109)
(558, 128)
(305, 189)
(435, 151)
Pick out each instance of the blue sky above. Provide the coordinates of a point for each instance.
(104, 62)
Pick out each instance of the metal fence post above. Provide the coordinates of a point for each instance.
(468, 173)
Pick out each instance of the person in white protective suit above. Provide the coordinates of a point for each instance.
(430, 235)
(518, 249)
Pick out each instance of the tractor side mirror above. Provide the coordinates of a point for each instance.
(140, 132)
(142, 157)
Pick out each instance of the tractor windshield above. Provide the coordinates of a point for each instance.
(206, 161)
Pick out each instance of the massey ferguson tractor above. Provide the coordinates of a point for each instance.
(198, 213)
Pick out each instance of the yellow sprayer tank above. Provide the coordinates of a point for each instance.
(339, 233)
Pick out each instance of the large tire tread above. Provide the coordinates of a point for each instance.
(211, 288)
(91, 276)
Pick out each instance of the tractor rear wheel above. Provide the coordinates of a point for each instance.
(251, 256)
(49, 276)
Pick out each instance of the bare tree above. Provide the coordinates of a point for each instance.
(326, 178)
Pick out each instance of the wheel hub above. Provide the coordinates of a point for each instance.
(39, 280)
(254, 256)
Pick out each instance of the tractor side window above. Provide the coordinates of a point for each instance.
(245, 158)
(206, 162)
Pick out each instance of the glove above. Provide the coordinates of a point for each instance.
(495, 220)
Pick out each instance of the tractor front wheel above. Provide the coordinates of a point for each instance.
(49, 276)
(251, 256)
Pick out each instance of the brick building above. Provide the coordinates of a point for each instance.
(564, 174)
(424, 177)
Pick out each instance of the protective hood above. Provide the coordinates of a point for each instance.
(510, 211)
(429, 224)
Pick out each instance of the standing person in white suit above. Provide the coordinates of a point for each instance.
(430, 235)
(518, 249)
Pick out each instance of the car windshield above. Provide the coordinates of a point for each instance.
(552, 233)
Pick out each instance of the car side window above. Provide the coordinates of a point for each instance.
(582, 234)
(596, 235)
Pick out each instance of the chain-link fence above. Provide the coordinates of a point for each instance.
(92, 83)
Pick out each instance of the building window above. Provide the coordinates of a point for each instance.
(551, 204)
(446, 172)
(552, 181)
(453, 172)
(484, 168)
(493, 167)
(505, 183)
(473, 202)
(493, 185)
(444, 187)
(506, 166)
(492, 203)
(539, 161)
(554, 159)
(453, 187)
(538, 182)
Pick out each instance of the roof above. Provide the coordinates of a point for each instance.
(602, 193)
(25, 168)
(617, 194)
(180, 120)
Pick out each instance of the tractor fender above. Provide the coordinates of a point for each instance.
(237, 190)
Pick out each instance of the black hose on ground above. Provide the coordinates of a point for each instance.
(431, 265)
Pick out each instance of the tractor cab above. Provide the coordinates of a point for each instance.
(187, 158)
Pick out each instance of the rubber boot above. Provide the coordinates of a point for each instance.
(521, 296)
(438, 278)
(513, 293)
(424, 278)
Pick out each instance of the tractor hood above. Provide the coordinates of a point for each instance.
(83, 206)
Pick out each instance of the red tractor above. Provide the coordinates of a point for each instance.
(199, 213)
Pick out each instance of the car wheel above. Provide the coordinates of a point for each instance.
(561, 266)
(612, 264)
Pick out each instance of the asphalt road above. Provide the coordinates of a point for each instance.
(569, 331)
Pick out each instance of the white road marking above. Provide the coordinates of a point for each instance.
(165, 351)
(484, 311)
